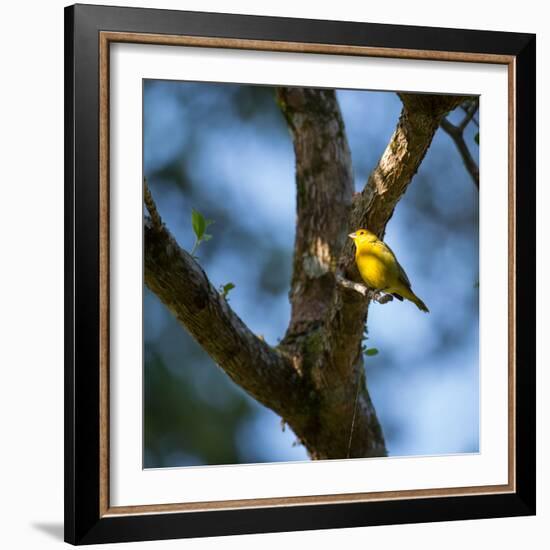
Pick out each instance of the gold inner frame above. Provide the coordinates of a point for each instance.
(105, 39)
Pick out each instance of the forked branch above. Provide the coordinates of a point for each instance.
(456, 133)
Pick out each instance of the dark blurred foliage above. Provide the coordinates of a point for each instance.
(224, 150)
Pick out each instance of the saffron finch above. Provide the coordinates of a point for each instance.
(380, 269)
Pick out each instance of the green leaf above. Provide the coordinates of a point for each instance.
(225, 289)
(476, 138)
(199, 223)
(371, 352)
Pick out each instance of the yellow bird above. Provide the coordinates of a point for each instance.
(380, 269)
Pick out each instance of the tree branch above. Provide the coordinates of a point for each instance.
(156, 220)
(456, 133)
(470, 108)
(181, 284)
(419, 120)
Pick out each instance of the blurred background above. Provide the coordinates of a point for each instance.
(225, 151)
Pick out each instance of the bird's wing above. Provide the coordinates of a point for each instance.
(400, 271)
(403, 276)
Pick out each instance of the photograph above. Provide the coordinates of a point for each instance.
(299, 273)
(310, 274)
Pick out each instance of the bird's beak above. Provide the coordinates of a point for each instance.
(352, 235)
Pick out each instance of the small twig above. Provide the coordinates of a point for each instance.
(194, 248)
(470, 112)
(455, 133)
(364, 290)
(475, 110)
(358, 287)
(151, 206)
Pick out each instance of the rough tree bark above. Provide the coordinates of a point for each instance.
(315, 378)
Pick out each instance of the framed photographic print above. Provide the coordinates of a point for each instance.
(299, 274)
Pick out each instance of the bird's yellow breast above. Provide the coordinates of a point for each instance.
(376, 267)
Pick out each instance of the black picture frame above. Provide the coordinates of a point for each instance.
(83, 521)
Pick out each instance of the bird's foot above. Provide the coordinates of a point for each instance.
(380, 297)
(375, 295)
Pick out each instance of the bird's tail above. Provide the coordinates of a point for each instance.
(411, 296)
(420, 304)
